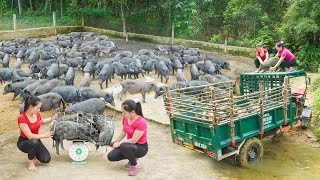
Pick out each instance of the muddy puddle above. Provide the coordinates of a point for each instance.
(282, 160)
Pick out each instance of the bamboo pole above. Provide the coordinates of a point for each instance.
(178, 92)
(285, 100)
(54, 23)
(214, 108)
(15, 25)
(261, 103)
(231, 106)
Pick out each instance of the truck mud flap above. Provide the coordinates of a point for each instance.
(306, 117)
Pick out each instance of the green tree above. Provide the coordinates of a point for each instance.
(243, 17)
(302, 32)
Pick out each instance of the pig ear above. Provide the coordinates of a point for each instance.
(9, 85)
(28, 92)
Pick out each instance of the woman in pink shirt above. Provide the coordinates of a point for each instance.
(286, 60)
(134, 126)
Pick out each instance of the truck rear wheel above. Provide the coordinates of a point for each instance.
(250, 152)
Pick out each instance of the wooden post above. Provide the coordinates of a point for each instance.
(82, 20)
(225, 44)
(261, 108)
(214, 107)
(15, 25)
(178, 92)
(172, 33)
(285, 100)
(168, 101)
(127, 39)
(124, 29)
(231, 107)
(54, 23)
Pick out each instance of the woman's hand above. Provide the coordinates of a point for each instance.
(111, 144)
(49, 134)
(116, 144)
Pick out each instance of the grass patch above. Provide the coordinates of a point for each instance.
(26, 22)
(315, 86)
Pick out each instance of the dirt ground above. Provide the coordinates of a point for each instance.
(164, 160)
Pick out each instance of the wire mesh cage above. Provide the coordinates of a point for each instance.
(80, 126)
(249, 82)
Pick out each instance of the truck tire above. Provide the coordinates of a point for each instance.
(250, 152)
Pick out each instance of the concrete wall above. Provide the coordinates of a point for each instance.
(49, 31)
(167, 40)
(37, 32)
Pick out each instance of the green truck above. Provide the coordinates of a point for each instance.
(219, 122)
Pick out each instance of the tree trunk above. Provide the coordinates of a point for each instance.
(99, 4)
(61, 7)
(31, 7)
(20, 7)
(47, 7)
(254, 28)
(170, 12)
(123, 20)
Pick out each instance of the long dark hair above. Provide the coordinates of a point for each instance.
(280, 44)
(129, 105)
(31, 101)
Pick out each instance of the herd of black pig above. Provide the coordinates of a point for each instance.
(96, 55)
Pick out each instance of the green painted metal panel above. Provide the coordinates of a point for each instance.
(249, 82)
(194, 132)
(206, 136)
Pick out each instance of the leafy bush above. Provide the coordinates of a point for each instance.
(308, 57)
(316, 109)
(242, 42)
(3, 7)
(217, 39)
(265, 37)
(315, 87)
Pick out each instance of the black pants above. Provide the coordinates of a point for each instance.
(288, 64)
(128, 151)
(257, 62)
(34, 148)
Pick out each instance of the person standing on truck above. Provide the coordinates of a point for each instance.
(134, 126)
(29, 141)
(261, 55)
(287, 59)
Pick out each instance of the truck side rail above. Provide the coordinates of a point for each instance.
(207, 105)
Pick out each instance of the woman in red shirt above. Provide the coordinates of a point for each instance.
(135, 128)
(261, 55)
(29, 141)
